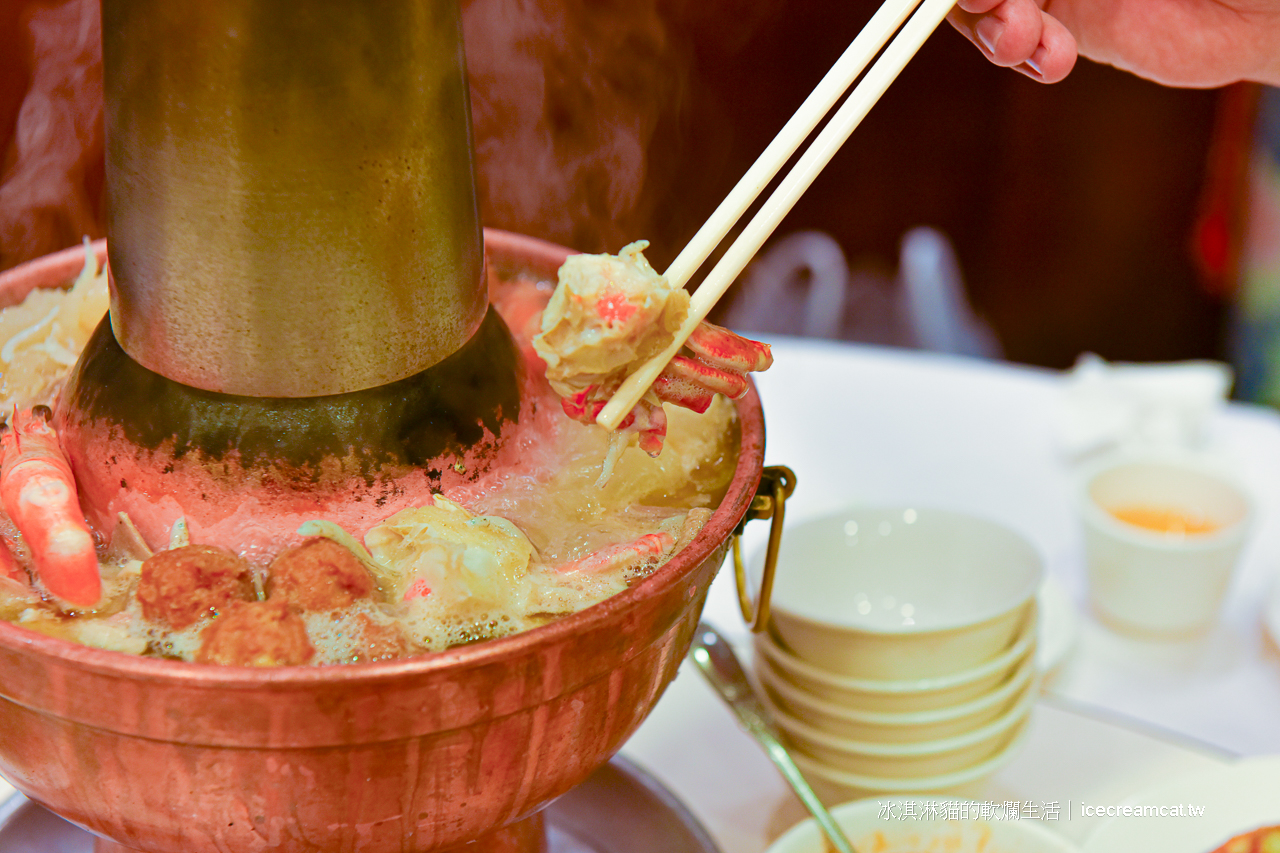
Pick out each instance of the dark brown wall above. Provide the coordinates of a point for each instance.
(14, 73)
(1071, 205)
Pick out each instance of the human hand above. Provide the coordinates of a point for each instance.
(1196, 43)
(1017, 34)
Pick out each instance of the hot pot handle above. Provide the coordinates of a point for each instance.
(777, 482)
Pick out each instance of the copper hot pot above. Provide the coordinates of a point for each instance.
(420, 754)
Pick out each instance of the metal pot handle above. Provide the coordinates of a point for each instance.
(777, 482)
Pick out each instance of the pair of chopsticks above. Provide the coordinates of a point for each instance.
(883, 24)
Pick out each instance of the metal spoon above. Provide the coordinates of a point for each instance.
(715, 658)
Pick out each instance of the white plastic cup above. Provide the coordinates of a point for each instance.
(1162, 583)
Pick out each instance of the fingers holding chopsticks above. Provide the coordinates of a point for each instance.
(1017, 34)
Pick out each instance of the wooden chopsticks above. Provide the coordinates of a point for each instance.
(865, 46)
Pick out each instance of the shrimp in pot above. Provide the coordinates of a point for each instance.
(38, 492)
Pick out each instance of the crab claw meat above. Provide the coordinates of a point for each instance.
(585, 407)
(647, 421)
(609, 314)
(577, 405)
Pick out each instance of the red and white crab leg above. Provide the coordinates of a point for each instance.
(719, 365)
(650, 547)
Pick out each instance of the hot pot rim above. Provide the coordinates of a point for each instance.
(62, 267)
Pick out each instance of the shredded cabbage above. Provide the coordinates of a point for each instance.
(45, 334)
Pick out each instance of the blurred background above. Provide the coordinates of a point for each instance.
(1103, 214)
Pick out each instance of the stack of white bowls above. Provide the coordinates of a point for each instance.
(901, 651)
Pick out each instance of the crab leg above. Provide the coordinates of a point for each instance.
(715, 380)
(720, 362)
(693, 384)
(648, 548)
(39, 494)
(722, 348)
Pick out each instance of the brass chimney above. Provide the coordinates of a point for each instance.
(299, 308)
(291, 191)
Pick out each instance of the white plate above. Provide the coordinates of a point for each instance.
(1236, 799)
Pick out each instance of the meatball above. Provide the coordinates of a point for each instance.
(318, 575)
(183, 585)
(263, 633)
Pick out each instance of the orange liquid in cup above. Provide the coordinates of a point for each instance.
(1164, 520)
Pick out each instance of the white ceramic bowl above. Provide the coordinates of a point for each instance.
(836, 786)
(867, 826)
(902, 593)
(914, 694)
(907, 760)
(897, 726)
(1153, 582)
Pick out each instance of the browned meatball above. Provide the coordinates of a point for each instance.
(263, 633)
(183, 585)
(318, 575)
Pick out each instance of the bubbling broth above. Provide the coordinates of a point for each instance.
(535, 539)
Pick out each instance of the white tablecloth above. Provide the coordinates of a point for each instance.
(886, 426)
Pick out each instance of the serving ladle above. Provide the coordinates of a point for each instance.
(716, 660)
